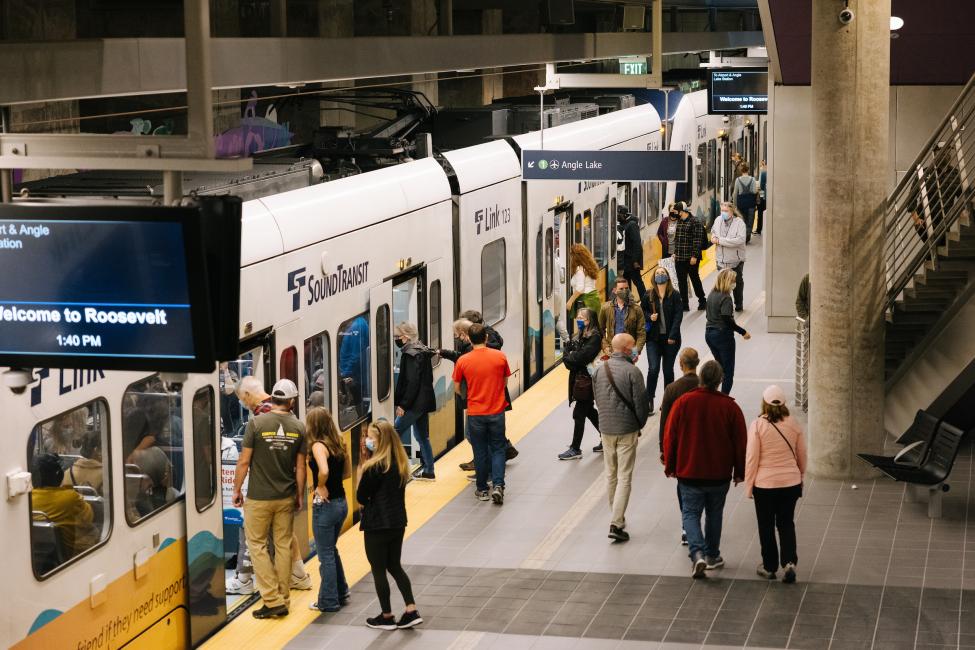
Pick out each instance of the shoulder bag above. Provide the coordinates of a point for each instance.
(623, 398)
(786, 441)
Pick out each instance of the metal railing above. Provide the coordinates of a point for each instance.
(802, 363)
(928, 201)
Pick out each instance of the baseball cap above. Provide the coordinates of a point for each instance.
(774, 395)
(284, 389)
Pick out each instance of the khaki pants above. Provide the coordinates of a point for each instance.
(619, 455)
(260, 519)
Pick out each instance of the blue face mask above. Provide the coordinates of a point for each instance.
(725, 215)
(633, 355)
(370, 444)
(660, 279)
(580, 324)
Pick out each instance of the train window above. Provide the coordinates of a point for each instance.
(653, 202)
(436, 326)
(354, 387)
(204, 454)
(587, 229)
(702, 162)
(549, 255)
(152, 447)
(616, 231)
(494, 299)
(539, 270)
(70, 504)
(288, 369)
(578, 230)
(233, 412)
(635, 205)
(601, 229)
(384, 359)
(712, 164)
(318, 371)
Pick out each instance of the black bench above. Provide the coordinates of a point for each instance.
(916, 441)
(933, 467)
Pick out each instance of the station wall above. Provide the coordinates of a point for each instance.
(915, 111)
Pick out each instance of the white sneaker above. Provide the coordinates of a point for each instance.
(240, 587)
(303, 583)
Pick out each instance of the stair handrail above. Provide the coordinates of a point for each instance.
(931, 197)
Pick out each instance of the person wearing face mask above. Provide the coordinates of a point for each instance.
(663, 312)
(690, 239)
(719, 333)
(621, 315)
(621, 398)
(414, 395)
(632, 258)
(667, 231)
(580, 352)
(729, 236)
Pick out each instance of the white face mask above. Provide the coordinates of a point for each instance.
(725, 215)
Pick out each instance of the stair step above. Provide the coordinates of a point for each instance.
(914, 318)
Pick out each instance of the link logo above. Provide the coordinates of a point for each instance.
(491, 218)
(68, 380)
(296, 280)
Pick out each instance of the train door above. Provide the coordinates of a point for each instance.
(548, 309)
(205, 585)
(381, 358)
(444, 433)
(409, 306)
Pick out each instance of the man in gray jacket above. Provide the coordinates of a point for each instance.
(623, 410)
(728, 237)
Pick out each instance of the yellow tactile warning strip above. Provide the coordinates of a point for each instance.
(423, 501)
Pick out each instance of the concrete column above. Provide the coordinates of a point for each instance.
(336, 19)
(492, 83)
(850, 115)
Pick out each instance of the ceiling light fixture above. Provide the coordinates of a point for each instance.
(896, 22)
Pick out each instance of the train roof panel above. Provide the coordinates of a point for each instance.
(260, 237)
(596, 132)
(317, 213)
(483, 165)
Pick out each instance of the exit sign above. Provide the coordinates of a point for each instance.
(633, 65)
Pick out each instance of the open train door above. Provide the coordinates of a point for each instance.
(381, 358)
(205, 586)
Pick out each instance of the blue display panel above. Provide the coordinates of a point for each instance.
(736, 91)
(113, 288)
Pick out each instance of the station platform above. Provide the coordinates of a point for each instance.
(539, 572)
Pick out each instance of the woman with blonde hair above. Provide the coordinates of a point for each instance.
(719, 333)
(381, 489)
(330, 465)
(663, 312)
(585, 272)
(775, 463)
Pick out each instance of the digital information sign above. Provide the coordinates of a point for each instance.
(113, 288)
(738, 91)
(555, 165)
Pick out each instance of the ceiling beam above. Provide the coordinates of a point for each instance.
(37, 72)
(765, 13)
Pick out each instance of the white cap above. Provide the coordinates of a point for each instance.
(774, 396)
(284, 389)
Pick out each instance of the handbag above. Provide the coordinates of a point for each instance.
(786, 440)
(619, 393)
(582, 387)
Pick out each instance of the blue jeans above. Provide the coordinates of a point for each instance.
(486, 434)
(326, 522)
(707, 500)
(421, 424)
(660, 355)
(722, 345)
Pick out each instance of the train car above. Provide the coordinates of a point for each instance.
(327, 271)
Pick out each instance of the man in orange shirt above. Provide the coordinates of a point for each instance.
(486, 371)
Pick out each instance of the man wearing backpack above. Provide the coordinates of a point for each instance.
(745, 196)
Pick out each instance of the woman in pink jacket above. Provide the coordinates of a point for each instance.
(775, 462)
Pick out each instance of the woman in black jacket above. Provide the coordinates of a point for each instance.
(381, 489)
(413, 395)
(581, 351)
(663, 312)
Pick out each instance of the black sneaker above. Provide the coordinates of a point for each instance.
(790, 573)
(699, 566)
(570, 454)
(271, 612)
(381, 622)
(409, 619)
(683, 538)
(701, 305)
(497, 495)
(425, 476)
(739, 309)
(687, 308)
(510, 453)
(714, 563)
(482, 495)
(598, 449)
(468, 466)
(618, 534)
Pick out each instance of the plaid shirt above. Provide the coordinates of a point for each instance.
(689, 239)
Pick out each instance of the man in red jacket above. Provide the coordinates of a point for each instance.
(704, 448)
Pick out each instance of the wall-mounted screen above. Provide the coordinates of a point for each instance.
(114, 287)
(736, 91)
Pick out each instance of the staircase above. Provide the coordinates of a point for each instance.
(930, 236)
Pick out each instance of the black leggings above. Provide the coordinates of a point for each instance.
(775, 509)
(583, 409)
(383, 549)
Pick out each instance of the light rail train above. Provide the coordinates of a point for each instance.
(327, 271)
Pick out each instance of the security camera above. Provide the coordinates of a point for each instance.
(846, 16)
(18, 379)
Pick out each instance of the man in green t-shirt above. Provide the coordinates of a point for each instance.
(274, 455)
